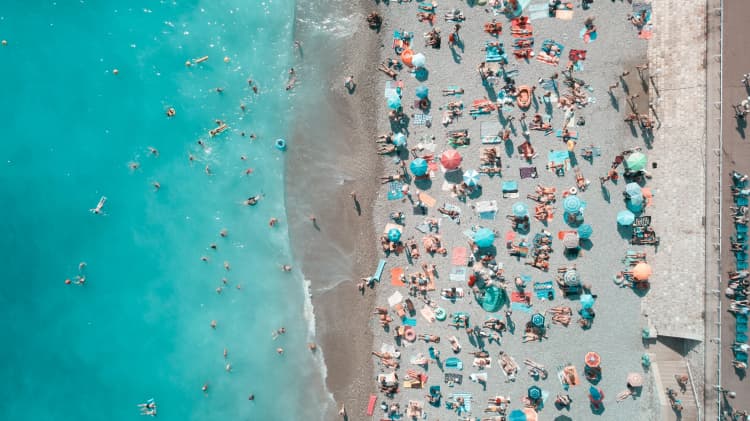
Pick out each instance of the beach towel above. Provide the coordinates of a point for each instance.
(459, 295)
(422, 119)
(379, 271)
(396, 274)
(564, 14)
(544, 290)
(489, 132)
(394, 190)
(458, 274)
(510, 189)
(428, 200)
(571, 134)
(458, 256)
(575, 379)
(428, 314)
(407, 321)
(528, 172)
(478, 377)
(467, 401)
(395, 299)
(520, 307)
(454, 88)
(371, 405)
(647, 32)
(486, 209)
(453, 378)
(391, 88)
(519, 297)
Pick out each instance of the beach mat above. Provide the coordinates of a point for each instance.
(519, 297)
(564, 14)
(409, 321)
(396, 274)
(520, 307)
(395, 299)
(394, 191)
(371, 405)
(528, 172)
(459, 256)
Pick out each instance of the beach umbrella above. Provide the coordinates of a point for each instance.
(592, 359)
(537, 320)
(394, 102)
(520, 209)
(633, 189)
(394, 234)
(571, 278)
(534, 392)
(450, 159)
(406, 56)
(625, 217)
(419, 167)
(471, 178)
(422, 92)
(636, 161)
(484, 237)
(585, 231)
(399, 139)
(635, 380)
(587, 300)
(517, 415)
(595, 394)
(642, 271)
(418, 60)
(570, 240)
(572, 204)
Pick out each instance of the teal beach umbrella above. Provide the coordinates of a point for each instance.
(534, 392)
(484, 237)
(419, 167)
(394, 102)
(418, 60)
(636, 161)
(585, 231)
(520, 209)
(625, 217)
(633, 190)
(399, 139)
(587, 300)
(471, 178)
(572, 204)
(394, 234)
(537, 320)
(422, 92)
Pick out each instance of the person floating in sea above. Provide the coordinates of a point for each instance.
(253, 200)
(148, 407)
(98, 209)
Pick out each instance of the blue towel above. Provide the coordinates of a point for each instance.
(409, 322)
(520, 307)
(394, 191)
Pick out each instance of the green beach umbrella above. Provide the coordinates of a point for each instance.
(422, 92)
(394, 234)
(484, 237)
(419, 167)
(636, 161)
(520, 209)
(585, 231)
(625, 217)
(572, 204)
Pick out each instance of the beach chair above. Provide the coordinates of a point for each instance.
(547, 47)
(741, 318)
(740, 337)
(741, 328)
(741, 201)
(378, 272)
(510, 189)
(742, 265)
(544, 290)
(741, 229)
(741, 357)
(741, 256)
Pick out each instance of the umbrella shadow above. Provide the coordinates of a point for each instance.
(586, 244)
(598, 410)
(572, 254)
(613, 101)
(509, 148)
(476, 193)
(624, 84)
(741, 125)
(573, 159)
(454, 176)
(625, 231)
(548, 108)
(455, 55)
(633, 130)
(605, 194)
(423, 183)
(422, 74)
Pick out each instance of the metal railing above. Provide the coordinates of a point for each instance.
(721, 201)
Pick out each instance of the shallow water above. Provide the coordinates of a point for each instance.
(140, 327)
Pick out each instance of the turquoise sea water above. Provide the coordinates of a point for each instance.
(140, 327)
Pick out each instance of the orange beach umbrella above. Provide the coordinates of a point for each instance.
(406, 56)
(642, 271)
(593, 359)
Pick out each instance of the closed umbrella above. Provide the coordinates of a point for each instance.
(534, 392)
(520, 209)
(394, 102)
(625, 217)
(642, 271)
(585, 231)
(471, 178)
(636, 161)
(517, 415)
(484, 237)
(635, 380)
(537, 320)
(572, 204)
(394, 234)
(592, 359)
(399, 139)
(450, 159)
(422, 92)
(418, 60)
(587, 300)
(570, 240)
(419, 167)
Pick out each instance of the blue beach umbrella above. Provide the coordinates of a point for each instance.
(625, 217)
(520, 209)
(418, 60)
(422, 92)
(419, 167)
(399, 139)
(572, 204)
(394, 234)
(537, 320)
(635, 204)
(595, 393)
(585, 231)
(534, 392)
(516, 415)
(587, 300)
(394, 102)
(471, 178)
(484, 237)
(633, 190)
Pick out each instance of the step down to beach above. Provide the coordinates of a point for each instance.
(664, 373)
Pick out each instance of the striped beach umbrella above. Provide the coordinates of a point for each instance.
(537, 320)
(471, 178)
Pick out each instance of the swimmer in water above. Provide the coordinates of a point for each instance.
(272, 222)
(228, 367)
(171, 112)
(204, 388)
(225, 353)
(133, 165)
(248, 171)
(207, 170)
(98, 209)
(81, 266)
(226, 265)
(223, 232)
(212, 246)
(213, 324)
(156, 185)
(252, 201)
(153, 151)
(286, 268)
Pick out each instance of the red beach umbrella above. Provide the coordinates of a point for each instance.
(450, 159)
(593, 359)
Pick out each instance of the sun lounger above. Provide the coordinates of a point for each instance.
(742, 266)
(741, 201)
(510, 189)
(454, 363)
(544, 290)
(378, 272)
(428, 200)
(486, 209)
(740, 337)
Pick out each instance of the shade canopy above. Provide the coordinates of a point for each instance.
(635, 380)
(585, 231)
(570, 240)
(394, 102)
(450, 159)
(471, 178)
(572, 204)
(422, 92)
(642, 271)
(418, 60)
(520, 209)
(636, 161)
(517, 415)
(484, 237)
(394, 234)
(419, 167)
(625, 217)
(537, 320)
(592, 359)
(587, 300)
(399, 139)
(534, 392)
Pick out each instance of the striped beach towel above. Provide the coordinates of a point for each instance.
(422, 119)
(467, 401)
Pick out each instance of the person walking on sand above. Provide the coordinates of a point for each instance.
(349, 83)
